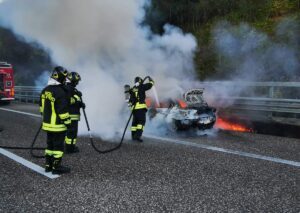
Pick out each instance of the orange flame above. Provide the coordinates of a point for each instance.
(182, 104)
(226, 125)
(148, 102)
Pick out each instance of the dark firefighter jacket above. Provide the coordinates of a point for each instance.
(138, 95)
(75, 102)
(54, 108)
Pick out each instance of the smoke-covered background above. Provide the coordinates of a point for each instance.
(109, 42)
(250, 55)
(246, 54)
(105, 43)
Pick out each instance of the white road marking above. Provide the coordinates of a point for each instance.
(21, 160)
(229, 151)
(28, 164)
(20, 112)
(203, 146)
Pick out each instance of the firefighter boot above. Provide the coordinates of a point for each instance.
(59, 169)
(48, 163)
(133, 135)
(71, 148)
(139, 140)
(138, 135)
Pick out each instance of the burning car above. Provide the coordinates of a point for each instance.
(191, 112)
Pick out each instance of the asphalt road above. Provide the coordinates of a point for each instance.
(223, 172)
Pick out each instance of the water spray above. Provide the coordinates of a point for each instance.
(155, 96)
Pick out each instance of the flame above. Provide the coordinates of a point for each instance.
(226, 125)
(182, 104)
(148, 102)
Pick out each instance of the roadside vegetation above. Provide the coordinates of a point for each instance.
(198, 17)
(29, 59)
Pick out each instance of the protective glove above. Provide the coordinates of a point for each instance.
(79, 93)
(67, 123)
(82, 105)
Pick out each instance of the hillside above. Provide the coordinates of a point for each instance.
(201, 17)
(29, 59)
(266, 18)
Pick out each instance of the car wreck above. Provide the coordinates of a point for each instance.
(190, 112)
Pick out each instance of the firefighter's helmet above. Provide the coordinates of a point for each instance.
(138, 79)
(59, 74)
(74, 78)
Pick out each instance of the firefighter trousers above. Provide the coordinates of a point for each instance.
(138, 123)
(55, 144)
(71, 136)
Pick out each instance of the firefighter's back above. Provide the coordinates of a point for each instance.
(54, 104)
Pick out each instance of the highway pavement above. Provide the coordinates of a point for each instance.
(220, 172)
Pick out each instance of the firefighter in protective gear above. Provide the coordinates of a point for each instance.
(139, 107)
(56, 118)
(75, 104)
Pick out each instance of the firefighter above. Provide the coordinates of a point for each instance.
(139, 107)
(56, 119)
(76, 103)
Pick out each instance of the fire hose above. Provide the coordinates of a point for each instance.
(92, 140)
(123, 135)
(31, 148)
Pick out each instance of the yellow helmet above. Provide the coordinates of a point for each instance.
(59, 74)
(74, 78)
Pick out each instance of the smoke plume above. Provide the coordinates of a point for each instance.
(42, 80)
(105, 43)
(254, 56)
(246, 54)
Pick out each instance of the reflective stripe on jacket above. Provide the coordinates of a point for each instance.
(54, 108)
(138, 96)
(75, 102)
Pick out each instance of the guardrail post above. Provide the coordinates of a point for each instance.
(271, 92)
(271, 95)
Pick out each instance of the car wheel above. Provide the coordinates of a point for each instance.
(206, 126)
(174, 125)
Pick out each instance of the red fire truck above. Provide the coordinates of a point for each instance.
(7, 91)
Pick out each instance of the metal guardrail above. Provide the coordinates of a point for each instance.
(277, 97)
(267, 105)
(274, 97)
(27, 94)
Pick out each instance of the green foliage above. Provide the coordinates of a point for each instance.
(199, 17)
(28, 59)
(196, 16)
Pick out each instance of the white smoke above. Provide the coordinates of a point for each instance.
(250, 55)
(42, 80)
(105, 43)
